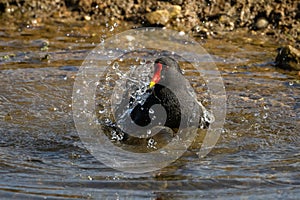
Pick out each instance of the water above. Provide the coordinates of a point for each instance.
(41, 155)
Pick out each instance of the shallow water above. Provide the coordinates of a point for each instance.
(257, 156)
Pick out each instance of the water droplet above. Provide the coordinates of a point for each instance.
(151, 111)
(152, 143)
(291, 83)
(266, 107)
(143, 61)
(111, 29)
(115, 65)
(265, 116)
(208, 116)
(115, 24)
(149, 131)
(116, 136)
(85, 102)
(107, 121)
(108, 62)
(102, 111)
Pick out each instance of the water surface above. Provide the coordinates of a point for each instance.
(41, 155)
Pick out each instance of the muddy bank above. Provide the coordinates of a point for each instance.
(204, 18)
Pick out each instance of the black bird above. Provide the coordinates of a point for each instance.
(161, 88)
(169, 89)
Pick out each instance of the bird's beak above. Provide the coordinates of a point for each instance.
(152, 83)
(157, 74)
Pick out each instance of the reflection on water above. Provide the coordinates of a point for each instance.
(41, 154)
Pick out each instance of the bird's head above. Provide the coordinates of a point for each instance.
(162, 67)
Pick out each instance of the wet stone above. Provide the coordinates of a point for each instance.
(288, 58)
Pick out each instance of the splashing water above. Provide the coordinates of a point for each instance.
(123, 82)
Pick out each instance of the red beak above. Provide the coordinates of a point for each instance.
(157, 74)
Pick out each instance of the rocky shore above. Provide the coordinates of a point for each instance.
(203, 17)
(279, 19)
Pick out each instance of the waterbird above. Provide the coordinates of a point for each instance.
(169, 89)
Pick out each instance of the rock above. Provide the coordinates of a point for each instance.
(174, 10)
(177, 2)
(87, 17)
(158, 17)
(288, 58)
(163, 16)
(261, 23)
(226, 20)
(278, 18)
